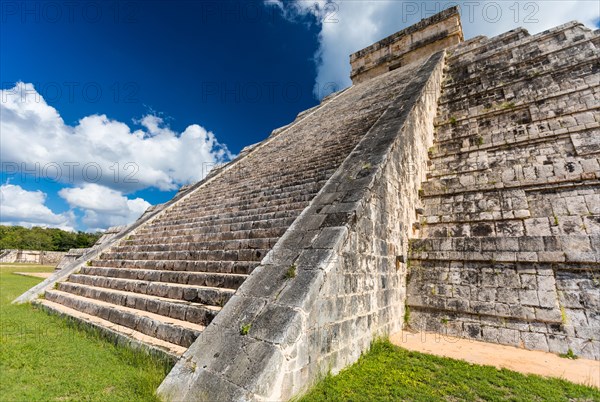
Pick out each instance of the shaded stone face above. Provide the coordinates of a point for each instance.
(509, 246)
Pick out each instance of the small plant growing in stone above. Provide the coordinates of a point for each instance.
(479, 140)
(444, 321)
(366, 166)
(563, 315)
(569, 355)
(291, 272)
(406, 315)
(555, 219)
(453, 121)
(245, 329)
(507, 105)
(421, 192)
(88, 263)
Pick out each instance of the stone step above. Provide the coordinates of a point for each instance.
(557, 61)
(560, 225)
(559, 248)
(216, 223)
(233, 267)
(502, 289)
(288, 184)
(199, 218)
(521, 333)
(283, 184)
(517, 84)
(206, 255)
(197, 294)
(476, 206)
(242, 203)
(471, 138)
(576, 257)
(555, 157)
(220, 244)
(507, 204)
(243, 209)
(194, 230)
(170, 349)
(168, 329)
(181, 310)
(483, 44)
(455, 123)
(462, 154)
(487, 182)
(210, 279)
(518, 45)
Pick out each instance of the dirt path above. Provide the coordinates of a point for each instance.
(580, 371)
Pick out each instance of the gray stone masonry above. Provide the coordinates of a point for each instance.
(508, 247)
(31, 256)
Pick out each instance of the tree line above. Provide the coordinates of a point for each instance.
(48, 239)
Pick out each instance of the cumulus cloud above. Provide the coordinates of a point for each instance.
(347, 26)
(101, 150)
(27, 208)
(103, 207)
(100, 158)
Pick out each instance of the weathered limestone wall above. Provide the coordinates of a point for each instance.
(335, 279)
(9, 256)
(510, 237)
(51, 257)
(32, 257)
(71, 255)
(408, 46)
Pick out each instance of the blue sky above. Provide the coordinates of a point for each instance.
(174, 87)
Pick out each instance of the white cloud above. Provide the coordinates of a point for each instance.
(102, 159)
(103, 207)
(348, 26)
(35, 136)
(27, 208)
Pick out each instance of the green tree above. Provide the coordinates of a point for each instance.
(49, 239)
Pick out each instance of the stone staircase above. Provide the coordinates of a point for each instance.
(508, 248)
(164, 283)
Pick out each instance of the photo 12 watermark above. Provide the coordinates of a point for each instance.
(72, 92)
(525, 12)
(71, 172)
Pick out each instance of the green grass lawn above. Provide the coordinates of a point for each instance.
(47, 358)
(390, 373)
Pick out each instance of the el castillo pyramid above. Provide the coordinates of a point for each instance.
(453, 188)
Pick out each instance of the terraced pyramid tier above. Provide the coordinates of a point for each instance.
(173, 274)
(508, 248)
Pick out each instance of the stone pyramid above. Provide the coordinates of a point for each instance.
(454, 188)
